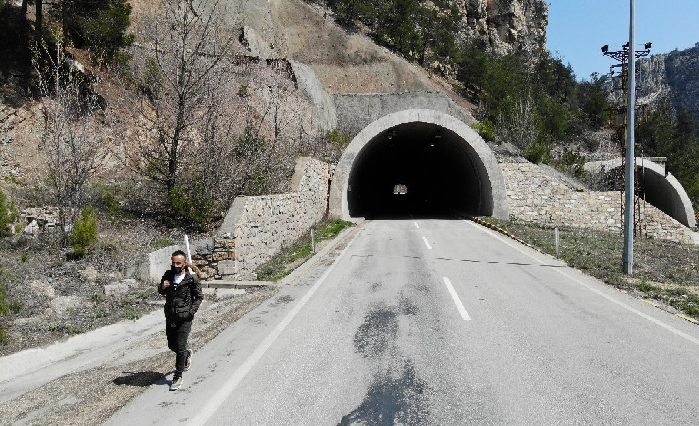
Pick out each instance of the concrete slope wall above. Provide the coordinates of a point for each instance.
(256, 228)
(535, 196)
(663, 191)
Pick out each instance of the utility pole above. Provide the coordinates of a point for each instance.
(627, 56)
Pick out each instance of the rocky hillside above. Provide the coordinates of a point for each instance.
(508, 25)
(305, 31)
(674, 75)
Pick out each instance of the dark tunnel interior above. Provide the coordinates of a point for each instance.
(418, 170)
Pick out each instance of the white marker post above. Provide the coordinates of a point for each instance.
(186, 250)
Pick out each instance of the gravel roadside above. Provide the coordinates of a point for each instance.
(90, 396)
(93, 391)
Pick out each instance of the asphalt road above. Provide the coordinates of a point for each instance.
(439, 322)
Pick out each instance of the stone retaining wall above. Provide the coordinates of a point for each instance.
(535, 196)
(257, 228)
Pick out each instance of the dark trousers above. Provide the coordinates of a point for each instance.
(177, 335)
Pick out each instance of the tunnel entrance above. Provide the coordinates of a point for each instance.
(415, 169)
(417, 163)
(655, 186)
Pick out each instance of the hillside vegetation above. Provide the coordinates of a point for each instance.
(159, 126)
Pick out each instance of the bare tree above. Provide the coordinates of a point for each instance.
(213, 122)
(183, 68)
(72, 135)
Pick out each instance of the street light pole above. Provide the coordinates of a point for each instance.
(630, 126)
(627, 58)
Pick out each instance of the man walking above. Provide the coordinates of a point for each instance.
(183, 296)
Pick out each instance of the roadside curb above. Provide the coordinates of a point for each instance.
(230, 284)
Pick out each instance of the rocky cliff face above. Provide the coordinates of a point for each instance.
(682, 74)
(352, 63)
(508, 25)
(674, 75)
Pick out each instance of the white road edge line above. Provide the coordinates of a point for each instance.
(416, 225)
(606, 296)
(459, 305)
(429, 247)
(239, 374)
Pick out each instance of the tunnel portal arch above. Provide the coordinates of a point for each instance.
(664, 192)
(443, 163)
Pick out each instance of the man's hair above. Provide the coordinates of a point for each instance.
(179, 253)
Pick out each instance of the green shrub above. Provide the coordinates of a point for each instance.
(153, 79)
(486, 129)
(337, 139)
(100, 26)
(84, 235)
(4, 307)
(8, 215)
(188, 209)
(251, 144)
(129, 311)
(538, 153)
(648, 288)
(109, 202)
(256, 182)
(158, 243)
(572, 163)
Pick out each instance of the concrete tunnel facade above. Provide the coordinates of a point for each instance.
(417, 162)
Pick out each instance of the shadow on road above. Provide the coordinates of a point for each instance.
(141, 378)
(495, 262)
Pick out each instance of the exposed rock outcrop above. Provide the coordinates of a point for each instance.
(508, 25)
(672, 75)
(682, 74)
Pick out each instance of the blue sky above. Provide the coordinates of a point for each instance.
(579, 28)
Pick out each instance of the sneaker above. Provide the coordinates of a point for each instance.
(188, 363)
(176, 383)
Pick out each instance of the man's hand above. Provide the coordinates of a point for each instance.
(165, 284)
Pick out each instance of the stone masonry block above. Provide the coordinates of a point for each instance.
(220, 255)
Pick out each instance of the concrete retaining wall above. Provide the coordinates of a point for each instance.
(535, 196)
(257, 228)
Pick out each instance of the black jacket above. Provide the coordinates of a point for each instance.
(182, 300)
